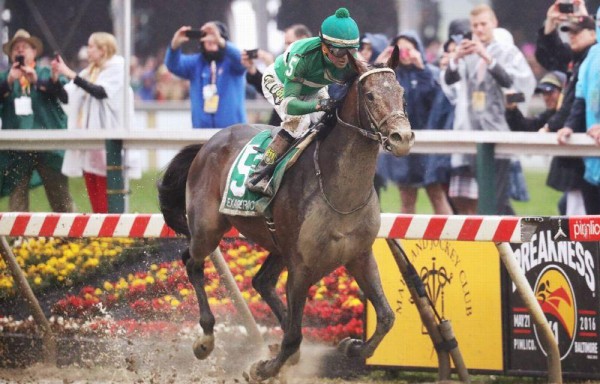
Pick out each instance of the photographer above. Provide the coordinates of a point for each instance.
(566, 173)
(29, 99)
(216, 75)
(484, 66)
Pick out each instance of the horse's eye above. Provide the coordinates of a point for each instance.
(370, 96)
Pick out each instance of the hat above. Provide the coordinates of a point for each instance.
(340, 30)
(22, 34)
(578, 23)
(551, 81)
(457, 29)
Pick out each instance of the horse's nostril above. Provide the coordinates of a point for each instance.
(395, 137)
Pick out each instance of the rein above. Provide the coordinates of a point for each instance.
(373, 134)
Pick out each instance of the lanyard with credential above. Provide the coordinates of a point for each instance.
(209, 92)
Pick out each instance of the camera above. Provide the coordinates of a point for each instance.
(566, 7)
(195, 34)
(517, 97)
(460, 37)
(252, 53)
(20, 59)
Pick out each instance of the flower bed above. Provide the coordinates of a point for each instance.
(159, 297)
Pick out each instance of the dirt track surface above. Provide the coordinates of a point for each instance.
(172, 361)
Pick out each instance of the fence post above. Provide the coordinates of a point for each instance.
(115, 185)
(486, 171)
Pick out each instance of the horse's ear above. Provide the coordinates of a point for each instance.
(359, 65)
(394, 59)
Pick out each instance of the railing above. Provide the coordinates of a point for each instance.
(485, 144)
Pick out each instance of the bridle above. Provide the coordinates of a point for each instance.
(374, 133)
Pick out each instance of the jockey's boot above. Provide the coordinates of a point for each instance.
(258, 180)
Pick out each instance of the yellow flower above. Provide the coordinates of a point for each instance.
(175, 303)
(184, 292)
(108, 286)
(37, 280)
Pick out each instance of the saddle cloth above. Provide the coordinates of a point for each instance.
(237, 200)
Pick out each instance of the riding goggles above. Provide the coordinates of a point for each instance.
(340, 52)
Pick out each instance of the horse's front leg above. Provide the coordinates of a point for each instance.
(364, 269)
(265, 282)
(204, 345)
(296, 291)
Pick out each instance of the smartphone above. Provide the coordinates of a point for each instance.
(517, 97)
(252, 53)
(20, 59)
(195, 34)
(566, 8)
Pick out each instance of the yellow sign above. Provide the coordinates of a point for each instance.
(463, 280)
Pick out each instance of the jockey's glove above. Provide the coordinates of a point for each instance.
(327, 105)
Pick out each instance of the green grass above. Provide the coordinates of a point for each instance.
(543, 199)
(143, 198)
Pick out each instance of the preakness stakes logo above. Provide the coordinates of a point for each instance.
(556, 297)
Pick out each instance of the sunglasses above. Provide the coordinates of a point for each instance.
(340, 52)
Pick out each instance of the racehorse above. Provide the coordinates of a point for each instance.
(325, 213)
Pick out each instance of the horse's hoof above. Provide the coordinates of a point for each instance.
(259, 372)
(274, 351)
(203, 346)
(350, 347)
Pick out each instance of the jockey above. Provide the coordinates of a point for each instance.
(296, 85)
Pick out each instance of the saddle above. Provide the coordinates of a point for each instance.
(237, 200)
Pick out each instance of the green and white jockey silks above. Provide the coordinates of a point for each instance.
(296, 81)
(239, 201)
(340, 30)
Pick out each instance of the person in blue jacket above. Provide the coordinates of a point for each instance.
(420, 91)
(587, 107)
(216, 75)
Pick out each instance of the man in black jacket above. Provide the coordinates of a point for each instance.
(566, 173)
(550, 87)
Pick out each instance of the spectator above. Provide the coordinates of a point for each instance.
(420, 90)
(566, 173)
(254, 76)
(485, 67)
(587, 104)
(29, 99)
(550, 87)
(216, 75)
(372, 45)
(95, 102)
(296, 85)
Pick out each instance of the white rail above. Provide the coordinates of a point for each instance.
(427, 141)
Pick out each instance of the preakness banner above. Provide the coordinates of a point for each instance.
(494, 330)
(564, 277)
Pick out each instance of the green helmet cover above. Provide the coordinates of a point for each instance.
(340, 30)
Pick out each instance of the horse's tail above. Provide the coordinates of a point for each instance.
(171, 189)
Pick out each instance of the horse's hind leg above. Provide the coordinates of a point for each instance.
(297, 290)
(204, 345)
(364, 270)
(265, 282)
(201, 245)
